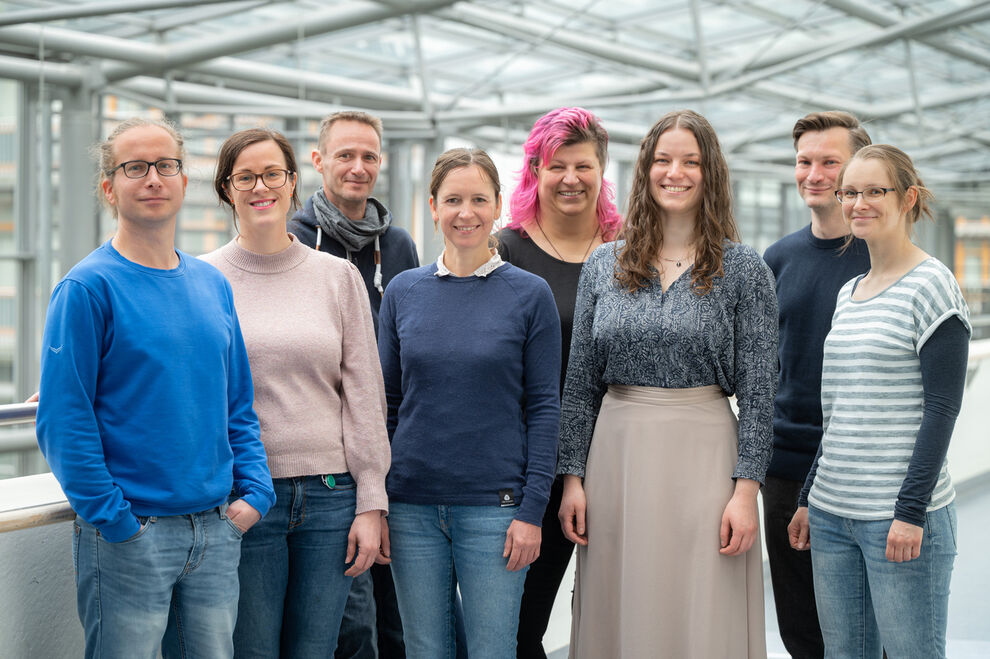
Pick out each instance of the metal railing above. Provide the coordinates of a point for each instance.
(17, 413)
(30, 517)
(36, 515)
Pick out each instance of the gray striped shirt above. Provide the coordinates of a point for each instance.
(872, 397)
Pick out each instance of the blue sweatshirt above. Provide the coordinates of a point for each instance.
(471, 368)
(146, 393)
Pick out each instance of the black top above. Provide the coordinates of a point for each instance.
(561, 275)
(809, 272)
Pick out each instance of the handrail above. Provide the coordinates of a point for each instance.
(16, 413)
(27, 518)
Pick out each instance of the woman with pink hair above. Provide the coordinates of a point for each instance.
(561, 210)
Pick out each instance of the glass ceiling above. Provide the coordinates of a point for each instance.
(483, 70)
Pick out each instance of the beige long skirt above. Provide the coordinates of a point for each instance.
(651, 582)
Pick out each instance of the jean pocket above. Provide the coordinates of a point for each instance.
(940, 526)
(146, 523)
(233, 527)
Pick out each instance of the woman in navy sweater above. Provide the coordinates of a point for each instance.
(470, 350)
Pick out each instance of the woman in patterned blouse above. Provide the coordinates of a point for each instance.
(882, 521)
(660, 481)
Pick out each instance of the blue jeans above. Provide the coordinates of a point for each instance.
(434, 550)
(371, 627)
(293, 587)
(184, 566)
(358, 637)
(866, 603)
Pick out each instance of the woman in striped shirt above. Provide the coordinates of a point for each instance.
(878, 499)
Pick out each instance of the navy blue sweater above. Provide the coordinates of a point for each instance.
(471, 368)
(809, 272)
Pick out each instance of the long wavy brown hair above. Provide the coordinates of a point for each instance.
(643, 230)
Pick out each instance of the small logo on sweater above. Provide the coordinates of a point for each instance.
(506, 498)
(55, 350)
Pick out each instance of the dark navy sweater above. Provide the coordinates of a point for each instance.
(471, 368)
(809, 272)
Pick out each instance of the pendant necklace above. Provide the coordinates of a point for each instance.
(598, 228)
(676, 262)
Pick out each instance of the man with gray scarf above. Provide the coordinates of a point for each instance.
(342, 218)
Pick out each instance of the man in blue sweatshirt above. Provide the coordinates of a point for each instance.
(145, 417)
(810, 266)
(343, 219)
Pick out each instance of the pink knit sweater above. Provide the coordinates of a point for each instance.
(318, 388)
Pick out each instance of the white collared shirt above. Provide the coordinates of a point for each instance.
(486, 268)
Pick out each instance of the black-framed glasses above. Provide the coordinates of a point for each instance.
(874, 193)
(140, 168)
(273, 179)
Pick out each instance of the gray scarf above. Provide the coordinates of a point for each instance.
(352, 235)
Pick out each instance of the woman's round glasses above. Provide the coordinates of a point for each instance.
(273, 178)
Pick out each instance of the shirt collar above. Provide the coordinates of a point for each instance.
(486, 268)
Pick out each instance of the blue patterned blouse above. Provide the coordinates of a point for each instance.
(676, 339)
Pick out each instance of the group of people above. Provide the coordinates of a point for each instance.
(372, 456)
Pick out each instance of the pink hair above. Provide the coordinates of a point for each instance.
(557, 128)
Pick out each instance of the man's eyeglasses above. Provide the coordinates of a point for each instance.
(273, 178)
(848, 195)
(139, 168)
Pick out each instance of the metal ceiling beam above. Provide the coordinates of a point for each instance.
(593, 22)
(145, 55)
(809, 52)
(27, 70)
(74, 42)
(932, 99)
(178, 55)
(579, 42)
(924, 25)
(231, 68)
(867, 13)
(192, 17)
(192, 97)
(95, 9)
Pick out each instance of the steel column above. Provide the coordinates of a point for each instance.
(79, 231)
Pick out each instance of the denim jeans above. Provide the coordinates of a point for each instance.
(183, 566)
(358, 637)
(293, 587)
(866, 603)
(437, 548)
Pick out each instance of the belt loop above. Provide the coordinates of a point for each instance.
(222, 509)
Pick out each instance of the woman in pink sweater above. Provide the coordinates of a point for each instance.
(320, 400)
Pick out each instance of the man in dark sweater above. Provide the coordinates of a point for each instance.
(810, 266)
(342, 218)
